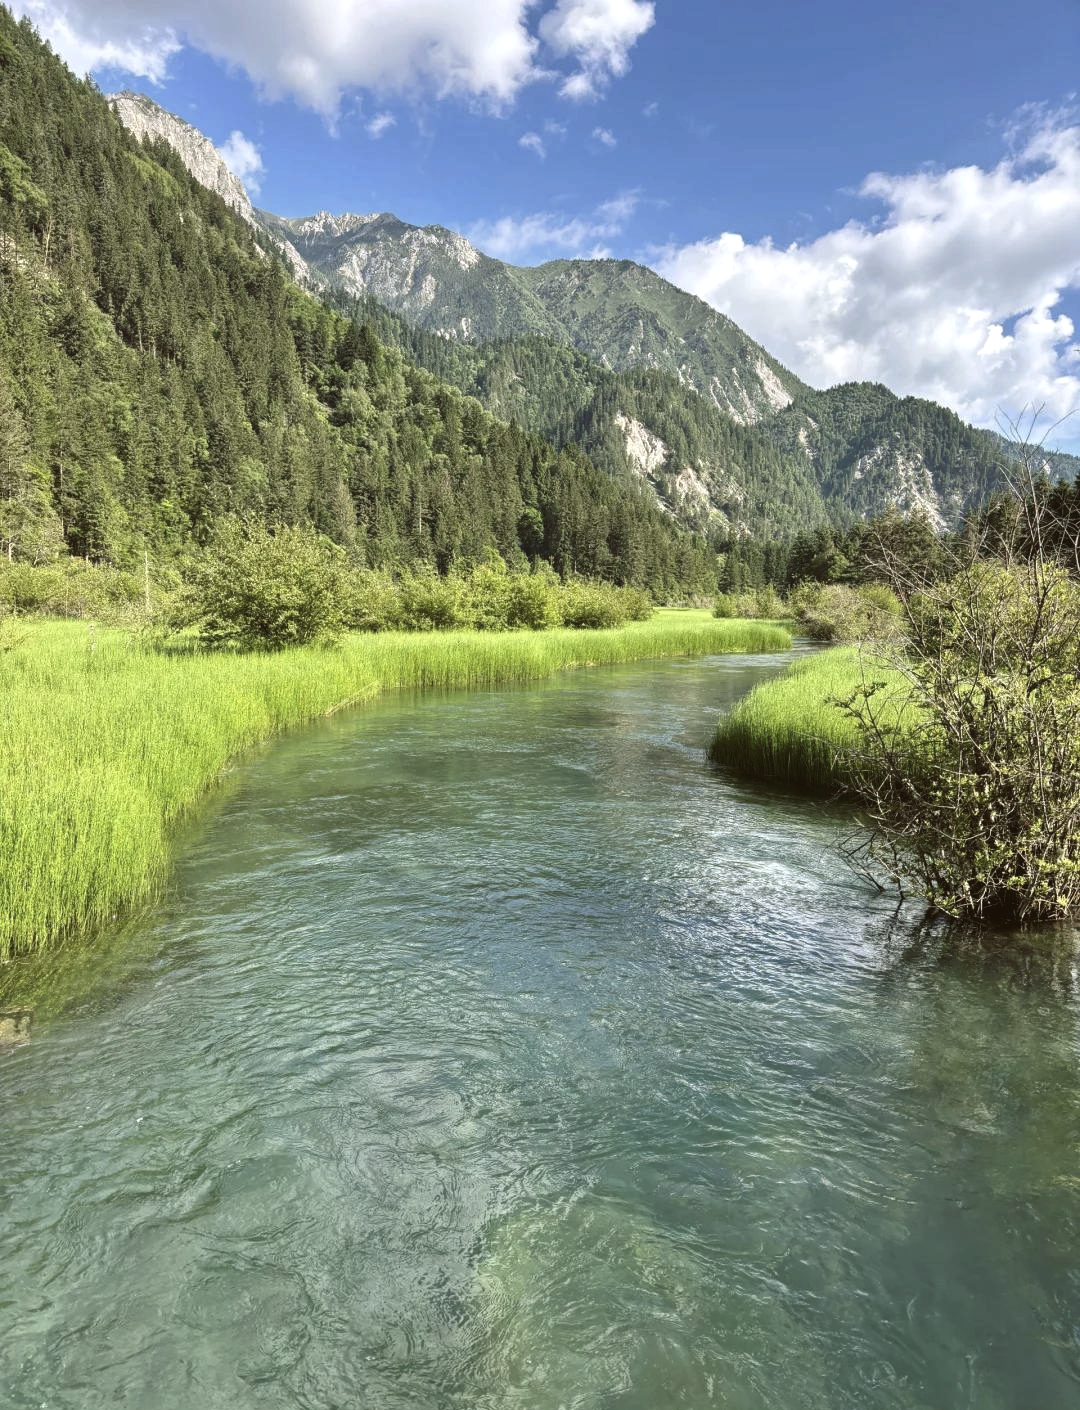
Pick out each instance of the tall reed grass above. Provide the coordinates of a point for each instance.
(105, 745)
(790, 730)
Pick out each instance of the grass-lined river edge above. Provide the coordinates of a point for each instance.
(106, 746)
(490, 1051)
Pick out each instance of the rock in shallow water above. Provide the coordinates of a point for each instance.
(15, 1025)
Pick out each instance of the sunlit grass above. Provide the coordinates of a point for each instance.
(104, 746)
(791, 730)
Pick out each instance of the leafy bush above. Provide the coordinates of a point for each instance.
(72, 588)
(372, 602)
(489, 598)
(428, 603)
(974, 793)
(765, 603)
(254, 588)
(832, 612)
(592, 605)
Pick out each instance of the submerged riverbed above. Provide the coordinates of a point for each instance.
(491, 1052)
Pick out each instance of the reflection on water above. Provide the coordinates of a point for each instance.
(492, 1052)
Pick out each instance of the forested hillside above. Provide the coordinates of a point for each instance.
(722, 478)
(649, 381)
(158, 368)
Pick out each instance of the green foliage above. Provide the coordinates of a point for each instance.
(764, 603)
(489, 598)
(252, 588)
(793, 731)
(164, 372)
(835, 613)
(74, 588)
(106, 745)
(788, 730)
(974, 801)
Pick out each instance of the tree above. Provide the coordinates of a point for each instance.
(29, 527)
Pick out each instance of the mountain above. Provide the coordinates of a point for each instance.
(616, 312)
(651, 381)
(148, 122)
(158, 369)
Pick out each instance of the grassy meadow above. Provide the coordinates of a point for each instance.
(105, 743)
(790, 730)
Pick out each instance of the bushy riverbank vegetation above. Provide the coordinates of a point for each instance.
(107, 743)
(960, 736)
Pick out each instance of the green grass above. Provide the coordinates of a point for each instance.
(105, 746)
(789, 730)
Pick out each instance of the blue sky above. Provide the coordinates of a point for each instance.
(732, 145)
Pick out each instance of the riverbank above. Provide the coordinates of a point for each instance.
(791, 730)
(107, 745)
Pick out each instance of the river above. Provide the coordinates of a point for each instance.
(492, 1052)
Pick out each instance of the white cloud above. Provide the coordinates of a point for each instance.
(313, 50)
(141, 48)
(598, 35)
(533, 142)
(604, 136)
(380, 123)
(955, 294)
(544, 235)
(244, 160)
(620, 208)
(650, 110)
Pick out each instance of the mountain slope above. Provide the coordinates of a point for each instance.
(548, 346)
(157, 370)
(617, 312)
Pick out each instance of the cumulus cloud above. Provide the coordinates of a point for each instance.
(380, 123)
(244, 160)
(544, 235)
(604, 136)
(954, 293)
(87, 41)
(533, 142)
(598, 36)
(313, 50)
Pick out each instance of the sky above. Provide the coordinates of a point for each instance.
(873, 191)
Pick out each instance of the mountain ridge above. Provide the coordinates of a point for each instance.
(877, 450)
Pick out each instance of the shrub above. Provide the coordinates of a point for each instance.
(72, 588)
(974, 797)
(372, 602)
(255, 588)
(533, 601)
(592, 605)
(428, 603)
(835, 613)
(765, 602)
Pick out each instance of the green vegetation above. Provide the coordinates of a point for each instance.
(791, 731)
(107, 744)
(253, 589)
(974, 803)
(962, 738)
(158, 370)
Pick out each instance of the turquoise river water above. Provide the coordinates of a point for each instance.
(492, 1052)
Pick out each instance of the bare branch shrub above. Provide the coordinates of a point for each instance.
(972, 779)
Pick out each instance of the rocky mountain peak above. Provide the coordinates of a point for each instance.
(144, 119)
